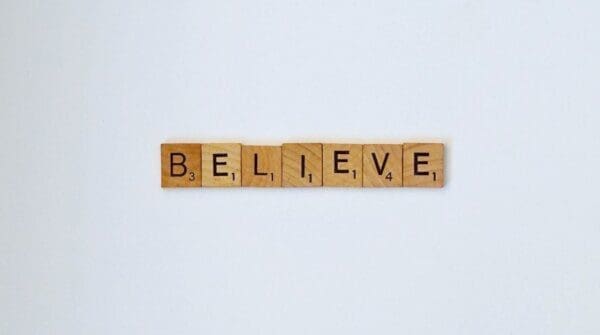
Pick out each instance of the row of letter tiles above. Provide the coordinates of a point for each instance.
(302, 165)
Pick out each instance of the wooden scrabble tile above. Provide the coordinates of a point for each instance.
(382, 165)
(222, 164)
(302, 164)
(342, 165)
(261, 166)
(181, 164)
(423, 164)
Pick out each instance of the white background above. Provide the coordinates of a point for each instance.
(90, 243)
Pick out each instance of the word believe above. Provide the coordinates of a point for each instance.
(302, 165)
